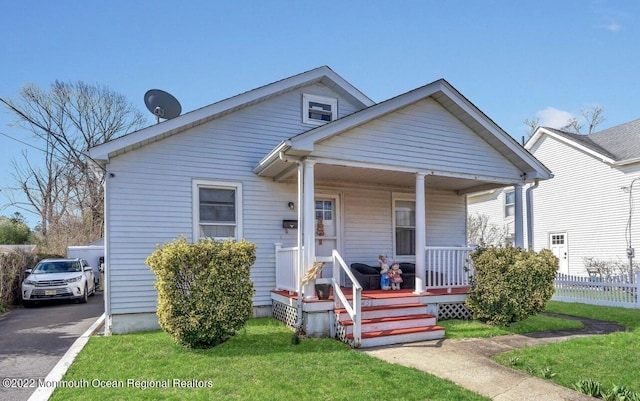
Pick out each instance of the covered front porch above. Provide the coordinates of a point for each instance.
(389, 180)
(365, 318)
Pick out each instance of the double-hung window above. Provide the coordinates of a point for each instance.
(404, 222)
(318, 110)
(217, 212)
(509, 204)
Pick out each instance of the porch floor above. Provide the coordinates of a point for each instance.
(383, 294)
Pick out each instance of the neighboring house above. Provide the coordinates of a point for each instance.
(310, 151)
(586, 210)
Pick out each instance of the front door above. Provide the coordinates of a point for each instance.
(327, 227)
(558, 245)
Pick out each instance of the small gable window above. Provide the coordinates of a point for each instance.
(318, 109)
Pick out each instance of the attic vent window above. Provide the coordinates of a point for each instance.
(318, 109)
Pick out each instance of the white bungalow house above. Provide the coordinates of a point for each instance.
(587, 209)
(311, 163)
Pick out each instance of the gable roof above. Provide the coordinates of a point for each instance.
(616, 145)
(324, 74)
(441, 91)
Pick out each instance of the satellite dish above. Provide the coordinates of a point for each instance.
(162, 104)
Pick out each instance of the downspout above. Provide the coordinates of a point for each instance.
(529, 196)
(107, 258)
(298, 324)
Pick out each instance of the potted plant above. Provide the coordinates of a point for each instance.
(323, 290)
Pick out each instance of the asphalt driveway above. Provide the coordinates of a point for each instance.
(32, 340)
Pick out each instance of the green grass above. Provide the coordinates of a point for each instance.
(611, 359)
(260, 362)
(457, 329)
(627, 317)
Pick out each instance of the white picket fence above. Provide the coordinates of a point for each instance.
(616, 291)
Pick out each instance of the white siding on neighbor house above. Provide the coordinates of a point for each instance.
(492, 205)
(149, 194)
(448, 144)
(585, 199)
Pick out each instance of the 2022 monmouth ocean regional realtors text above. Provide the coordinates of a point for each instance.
(97, 383)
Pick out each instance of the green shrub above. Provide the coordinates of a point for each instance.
(510, 284)
(204, 290)
(12, 267)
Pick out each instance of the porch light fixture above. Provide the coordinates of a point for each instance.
(291, 205)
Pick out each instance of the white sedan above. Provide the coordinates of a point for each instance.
(53, 279)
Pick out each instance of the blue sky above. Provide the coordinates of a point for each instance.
(512, 59)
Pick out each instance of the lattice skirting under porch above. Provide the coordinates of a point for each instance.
(453, 311)
(285, 313)
(341, 332)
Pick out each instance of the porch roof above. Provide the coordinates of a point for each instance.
(278, 163)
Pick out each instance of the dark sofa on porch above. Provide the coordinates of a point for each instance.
(369, 276)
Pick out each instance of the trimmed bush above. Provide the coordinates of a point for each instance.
(510, 284)
(204, 290)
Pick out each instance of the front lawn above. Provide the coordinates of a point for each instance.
(258, 363)
(608, 359)
(457, 329)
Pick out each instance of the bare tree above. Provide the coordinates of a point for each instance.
(533, 123)
(481, 232)
(64, 121)
(591, 117)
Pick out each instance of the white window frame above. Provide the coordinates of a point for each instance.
(306, 98)
(236, 186)
(507, 205)
(395, 198)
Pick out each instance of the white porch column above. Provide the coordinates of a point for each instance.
(421, 236)
(308, 220)
(299, 237)
(518, 219)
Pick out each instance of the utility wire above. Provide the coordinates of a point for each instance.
(22, 142)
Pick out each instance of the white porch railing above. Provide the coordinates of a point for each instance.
(287, 276)
(612, 292)
(354, 309)
(448, 267)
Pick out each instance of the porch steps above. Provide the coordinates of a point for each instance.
(399, 336)
(380, 311)
(385, 324)
(399, 322)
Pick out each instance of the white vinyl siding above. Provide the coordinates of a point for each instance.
(496, 205)
(585, 199)
(445, 143)
(150, 195)
(368, 221)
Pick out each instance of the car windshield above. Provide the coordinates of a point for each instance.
(57, 267)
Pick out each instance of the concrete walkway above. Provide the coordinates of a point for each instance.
(468, 363)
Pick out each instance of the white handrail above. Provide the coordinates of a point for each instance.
(355, 310)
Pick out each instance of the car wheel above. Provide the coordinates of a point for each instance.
(85, 296)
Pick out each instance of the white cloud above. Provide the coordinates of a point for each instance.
(554, 118)
(613, 27)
